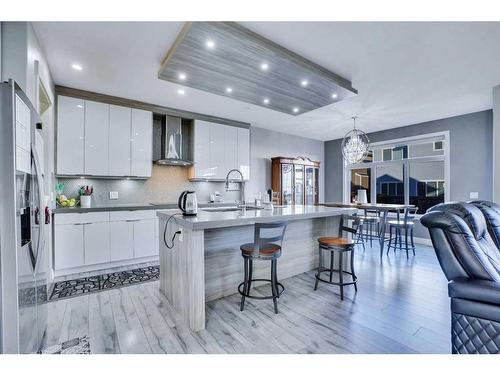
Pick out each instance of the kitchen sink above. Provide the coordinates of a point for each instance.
(228, 209)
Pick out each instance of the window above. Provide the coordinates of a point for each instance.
(412, 170)
(387, 154)
(437, 145)
(390, 183)
(426, 184)
(395, 153)
(360, 179)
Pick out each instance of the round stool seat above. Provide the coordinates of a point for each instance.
(267, 249)
(372, 219)
(340, 242)
(400, 223)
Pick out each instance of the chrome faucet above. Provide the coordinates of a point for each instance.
(241, 189)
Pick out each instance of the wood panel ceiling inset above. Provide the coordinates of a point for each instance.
(227, 59)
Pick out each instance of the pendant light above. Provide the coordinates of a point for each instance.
(355, 145)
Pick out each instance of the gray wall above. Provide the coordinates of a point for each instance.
(167, 182)
(471, 155)
(266, 144)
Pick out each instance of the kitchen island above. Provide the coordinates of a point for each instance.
(205, 262)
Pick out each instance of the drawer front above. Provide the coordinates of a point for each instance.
(81, 218)
(132, 215)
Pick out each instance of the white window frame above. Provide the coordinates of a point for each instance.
(445, 135)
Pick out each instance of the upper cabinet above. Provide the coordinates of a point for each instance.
(70, 135)
(98, 139)
(120, 122)
(219, 148)
(141, 143)
(244, 152)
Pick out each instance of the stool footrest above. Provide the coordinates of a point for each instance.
(281, 289)
(354, 277)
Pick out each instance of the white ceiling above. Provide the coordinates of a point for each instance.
(405, 73)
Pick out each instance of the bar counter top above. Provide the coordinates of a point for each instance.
(221, 219)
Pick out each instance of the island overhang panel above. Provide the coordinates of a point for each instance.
(205, 262)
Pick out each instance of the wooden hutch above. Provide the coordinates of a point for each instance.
(296, 180)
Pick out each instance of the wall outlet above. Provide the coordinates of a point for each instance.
(181, 237)
(473, 195)
(113, 195)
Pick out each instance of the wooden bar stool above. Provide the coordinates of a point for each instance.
(263, 248)
(339, 245)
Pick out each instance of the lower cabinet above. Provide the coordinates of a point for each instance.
(103, 238)
(96, 242)
(144, 238)
(69, 251)
(122, 240)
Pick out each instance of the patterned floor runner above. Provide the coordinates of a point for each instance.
(79, 345)
(77, 287)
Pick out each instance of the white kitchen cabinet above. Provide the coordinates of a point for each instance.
(243, 153)
(144, 238)
(120, 119)
(201, 150)
(217, 151)
(122, 240)
(141, 143)
(68, 246)
(96, 138)
(230, 149)
(70, 136)
(96, 242)
(219, 148)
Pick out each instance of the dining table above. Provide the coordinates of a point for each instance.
(382, 209)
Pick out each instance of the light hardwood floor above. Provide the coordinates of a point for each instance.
(401, 307)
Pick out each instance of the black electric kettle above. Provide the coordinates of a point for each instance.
(188, 203)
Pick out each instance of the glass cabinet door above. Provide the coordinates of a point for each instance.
(310, 186)
(286, 183)
(299, 184)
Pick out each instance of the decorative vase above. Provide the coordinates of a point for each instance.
(85, 201)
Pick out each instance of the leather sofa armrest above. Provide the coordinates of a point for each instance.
(476, 290)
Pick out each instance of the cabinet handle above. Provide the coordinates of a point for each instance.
(130, 221)
(80, 223)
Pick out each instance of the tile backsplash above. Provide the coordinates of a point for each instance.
(164, 186)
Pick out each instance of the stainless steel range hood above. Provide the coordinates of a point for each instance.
(171, 140)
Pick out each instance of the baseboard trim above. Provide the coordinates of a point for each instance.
(423, 241)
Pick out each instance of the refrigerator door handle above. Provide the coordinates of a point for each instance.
(41, 237)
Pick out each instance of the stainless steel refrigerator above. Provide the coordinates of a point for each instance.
(23, 257)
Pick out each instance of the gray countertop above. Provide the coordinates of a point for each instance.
(129, 207)
(209, 220)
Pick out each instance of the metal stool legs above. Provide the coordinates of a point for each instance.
(340, 271)
(244, 288)
(396, 242)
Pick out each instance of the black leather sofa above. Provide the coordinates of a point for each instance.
(470, 259)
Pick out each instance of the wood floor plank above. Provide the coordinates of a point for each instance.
(102, 329)
(131, 336)
(401, 307)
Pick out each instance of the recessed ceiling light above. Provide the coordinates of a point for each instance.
(295, 110)
(266, 101)
(210, 44)
(334, 95)
(264, 66)
(304, 83)
(229, 90)
(181, 92)
(77, 67)
(182, 76)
